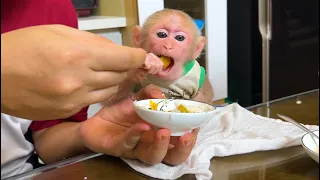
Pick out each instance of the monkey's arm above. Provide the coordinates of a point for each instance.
(205, 93)
(125, 89)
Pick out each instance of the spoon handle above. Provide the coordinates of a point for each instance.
(298, 124)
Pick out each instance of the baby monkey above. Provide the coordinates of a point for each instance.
(173, 43)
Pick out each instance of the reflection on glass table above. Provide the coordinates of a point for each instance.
(289, 163)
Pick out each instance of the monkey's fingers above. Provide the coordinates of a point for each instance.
(146, 66)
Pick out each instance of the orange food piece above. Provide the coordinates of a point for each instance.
(183, 109)
(153, 105)
(166, 61)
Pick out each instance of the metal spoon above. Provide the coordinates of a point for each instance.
(313, 136)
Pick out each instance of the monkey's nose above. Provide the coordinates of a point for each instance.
(168, 47)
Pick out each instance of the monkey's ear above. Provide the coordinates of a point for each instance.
(199, 47)
(136, 33)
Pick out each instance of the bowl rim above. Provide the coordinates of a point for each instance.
(163, 112)
(306, 146)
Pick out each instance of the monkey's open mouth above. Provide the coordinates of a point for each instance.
(168, 63)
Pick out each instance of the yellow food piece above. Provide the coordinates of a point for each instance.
(183, 109)
(153, 105)
(166, 61)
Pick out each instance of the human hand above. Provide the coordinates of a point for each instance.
(152, 65)
(52, 71)
(118, 131)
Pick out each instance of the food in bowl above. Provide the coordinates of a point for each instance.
(179, 108)
(180, 116)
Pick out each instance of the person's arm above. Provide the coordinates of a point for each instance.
(59, 142)
(205, 93)
(73, 69)
(57, 139)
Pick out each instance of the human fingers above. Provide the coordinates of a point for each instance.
(113, 57)
(154, 152)
(150, 91)
(100, 44)
(100, 95)
(123, 144)
(175, 139)
(104, 55)
(104, 79)
(75, 33)
(182, 149)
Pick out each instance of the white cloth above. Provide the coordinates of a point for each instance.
(15, 149)
(232, 130)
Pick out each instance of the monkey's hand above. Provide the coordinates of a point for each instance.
(153, 64)
(137, 75)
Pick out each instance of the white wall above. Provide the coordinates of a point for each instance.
(148, 7)
(216, 34)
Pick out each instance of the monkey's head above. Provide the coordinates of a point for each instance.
(173, 34)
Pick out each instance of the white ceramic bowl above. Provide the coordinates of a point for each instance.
(310, 146)
(179, 123)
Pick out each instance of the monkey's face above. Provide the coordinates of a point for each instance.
(173, 38)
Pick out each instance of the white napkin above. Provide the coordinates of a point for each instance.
(232, 130)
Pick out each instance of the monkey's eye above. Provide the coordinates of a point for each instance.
(179, 37)
(162, 35)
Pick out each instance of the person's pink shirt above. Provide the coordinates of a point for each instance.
(16, 14)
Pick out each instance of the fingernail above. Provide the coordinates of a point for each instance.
(164, 137)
